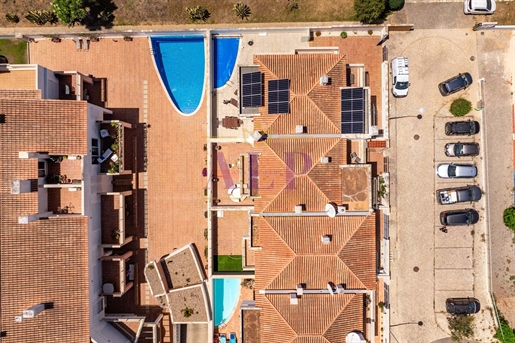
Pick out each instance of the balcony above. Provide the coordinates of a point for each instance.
(63, 183)
(115, 149)
(117, 273)
(117, 219)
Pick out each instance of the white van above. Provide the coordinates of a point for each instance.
(400, 76)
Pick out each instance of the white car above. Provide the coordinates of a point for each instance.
(479, 6)
(451, 170)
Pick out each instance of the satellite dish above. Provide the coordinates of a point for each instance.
(331, 210)
(355, 337)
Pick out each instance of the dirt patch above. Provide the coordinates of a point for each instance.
(157, 12)
(504, 14)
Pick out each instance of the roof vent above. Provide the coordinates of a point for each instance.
(293, 299)
(326, 239)
(300, 129)
(340, 289)
(300, 290)
(33, 311)
(331, 209)
(299, 209)
(324, 80)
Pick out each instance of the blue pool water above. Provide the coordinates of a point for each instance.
(180, 61)
(226, 293)
(225, 53)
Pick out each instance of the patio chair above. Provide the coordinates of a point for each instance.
(105, 156)
(104, 133)
(232, 337)
(223, 338)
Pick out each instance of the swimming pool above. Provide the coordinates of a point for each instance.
(226, 293)
(225, 53)
(180, 61)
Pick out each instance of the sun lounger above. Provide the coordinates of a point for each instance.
(232, 337)
(78, 44)
(223, 338)
(104, 133)
(105, 156)
(85, 44)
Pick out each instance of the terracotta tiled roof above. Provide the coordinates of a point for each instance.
(58, 127)
(292, 253)
(309, 101)
(47, 260)
(20, 94)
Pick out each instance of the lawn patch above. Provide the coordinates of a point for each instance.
(228, 263)
(15, 50)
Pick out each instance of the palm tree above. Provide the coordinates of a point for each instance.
(242, 10)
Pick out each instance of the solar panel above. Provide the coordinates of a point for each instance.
(251, 90)
(278, 96)
(353, 110)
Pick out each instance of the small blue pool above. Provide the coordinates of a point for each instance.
(226, 293)
(181, 61)
(225, 53)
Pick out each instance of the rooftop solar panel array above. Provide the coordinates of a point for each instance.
(278, 96)
(353, 110)
(251, 92)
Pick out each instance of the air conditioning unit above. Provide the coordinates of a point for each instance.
(341, 209)
(293, 299)
(374, 130)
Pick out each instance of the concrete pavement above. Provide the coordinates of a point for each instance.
(429, 266)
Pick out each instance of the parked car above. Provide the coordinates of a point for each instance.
(458, 194)
(462, 305)
(400, 76)
(451, 170)
(454, 84)
(479, 7)
(461, 128)
(461, 149)
(459, 217)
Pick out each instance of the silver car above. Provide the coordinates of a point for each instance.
(451, 170)
(462, 149)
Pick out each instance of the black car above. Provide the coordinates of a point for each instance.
(459, 194)
(459, 217)
(454, 84)
(462, 305)
(461, 149)
(453, 128)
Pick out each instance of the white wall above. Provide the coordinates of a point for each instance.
(48, 83)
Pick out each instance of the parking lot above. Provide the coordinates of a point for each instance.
(428, 265)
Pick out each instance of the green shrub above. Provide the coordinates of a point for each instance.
(12, 17)
(461, 327)
(343, 34)
(395, 4)
(187, 312)
(509, 217)
(460, 107)
(69, 12)
(368, 11)
(198, 13)
(505, 333)
(293, 6)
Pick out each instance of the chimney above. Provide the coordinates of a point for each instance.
(325, 159)
(326, 239)
(298, 209)
(20, 186)
(293, 299)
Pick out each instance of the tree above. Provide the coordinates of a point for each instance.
(369, 10)
(461, 326)
(242, 10)
(69, 12)
(509, 217)
(198, 13)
